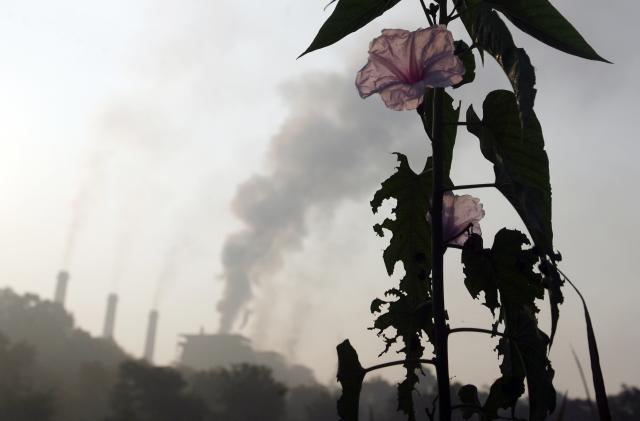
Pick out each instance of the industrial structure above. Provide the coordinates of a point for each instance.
(60, 293)
(150, 341)
(110, 316)
(201, 351)
(210, 351)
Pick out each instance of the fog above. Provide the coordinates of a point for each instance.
(180, 156)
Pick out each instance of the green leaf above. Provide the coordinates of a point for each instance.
(544, 22)
(350, 375)
(465, 54)
(491, 34)
(507, 270)
(348, 17)
(519, 161)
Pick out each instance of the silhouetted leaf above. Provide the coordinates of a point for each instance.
(468, 395)
(553, 283)
(491, 34)
(544, 22)
(506, 271)
(468, 59)
(450, 117)
(348, 17)
(410, 312)
(594, 355)
(519, 161)
(376, 305)
(350, 375)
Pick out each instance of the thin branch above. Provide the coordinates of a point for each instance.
(477, 330)
(400, 362)
(472, 186)
(427, 13)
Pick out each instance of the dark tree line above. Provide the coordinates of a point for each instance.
(52, 371)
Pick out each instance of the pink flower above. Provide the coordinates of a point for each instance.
(402, 64)
(461, 217)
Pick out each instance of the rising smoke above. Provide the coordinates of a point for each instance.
(85, 198)
(331, 148)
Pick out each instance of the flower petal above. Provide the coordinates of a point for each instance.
(402, 64)
(461, 217)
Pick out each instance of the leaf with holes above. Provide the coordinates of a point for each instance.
(506, 271)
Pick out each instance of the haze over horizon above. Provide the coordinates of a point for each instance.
(185, 144)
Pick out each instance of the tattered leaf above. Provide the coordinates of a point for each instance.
(507, 271)
(376, 305)
(544, 22)
(411, 240)
(410, 314)
(552, 283)
(491, 34)
(468, 60)
(350, 375)
(519, 161)
(347, 17)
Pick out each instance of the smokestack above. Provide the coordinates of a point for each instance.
(61, 287)
(151, 336)
(110, 316)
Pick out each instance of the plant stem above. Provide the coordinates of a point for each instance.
(471, 186)
(441, 333)
(476, 330)
(426, 12)
(400, 362)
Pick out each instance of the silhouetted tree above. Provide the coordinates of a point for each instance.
(20, 399)
(311, 403)
(147, 393)
(242, 393)
(80, 368)
(626, 404)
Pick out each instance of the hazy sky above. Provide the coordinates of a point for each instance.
(183, 138)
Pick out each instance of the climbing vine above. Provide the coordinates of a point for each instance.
(420, 70)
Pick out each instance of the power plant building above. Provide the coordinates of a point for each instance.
(210, 351)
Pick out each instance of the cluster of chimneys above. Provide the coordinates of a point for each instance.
(110, 315)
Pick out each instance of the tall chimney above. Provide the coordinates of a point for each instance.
(150, 343)
(61, 287)
(110, 316)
